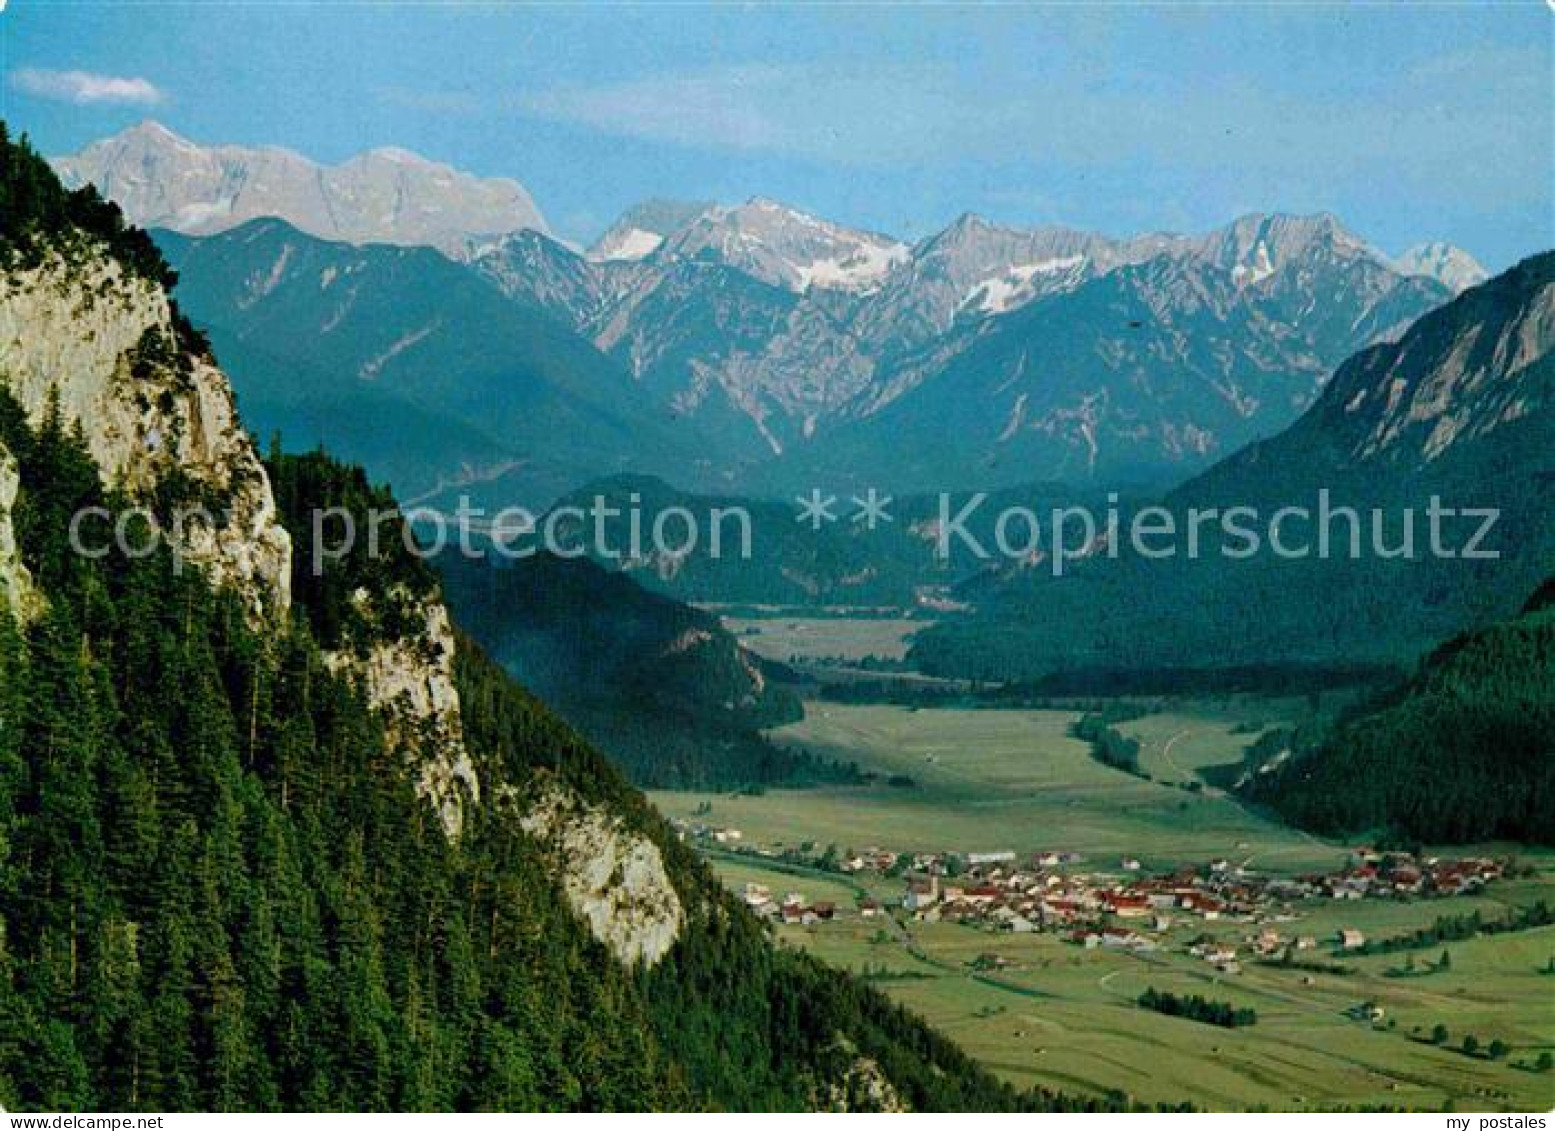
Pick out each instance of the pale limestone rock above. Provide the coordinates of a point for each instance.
(80, 328)
(862, 1086)
(17, 593)
(1465, 387)
(613, 878)
(391, 196)
(409, 680)
(76, 324)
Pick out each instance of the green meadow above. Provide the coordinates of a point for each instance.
(988, 780)
(1061, 1016)
(850, 639)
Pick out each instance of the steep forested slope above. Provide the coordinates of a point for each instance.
(460, 384)
(1461, 409)
(659, 686)
(1465, 751)
(276, 839)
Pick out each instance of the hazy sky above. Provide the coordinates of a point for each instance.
(1410, 122)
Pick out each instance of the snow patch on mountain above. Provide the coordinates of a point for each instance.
(788, 248)
(1018, 284)
(643, 228)
(630, 245)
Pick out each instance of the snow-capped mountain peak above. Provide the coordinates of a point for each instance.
(387, 195)
(789, 248)
(643, 228)
(1256, 246)
(1450, 266)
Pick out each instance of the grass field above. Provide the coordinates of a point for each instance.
(1065, 1017)
(992, 780)
(825, 638)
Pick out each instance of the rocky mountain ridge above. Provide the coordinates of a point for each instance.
(386, 195)
(212, 825)
(763, 347)
(1457, 413)
(83, 336)
(1451, 266)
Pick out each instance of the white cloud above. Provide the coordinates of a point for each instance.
(85, 88)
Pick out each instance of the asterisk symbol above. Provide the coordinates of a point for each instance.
(816, 509)
(872, 508)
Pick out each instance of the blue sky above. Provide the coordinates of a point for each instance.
(1410, 122)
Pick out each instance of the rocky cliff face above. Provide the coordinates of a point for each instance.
(613, 878)
(16, 588)
(384, 196)
(858, 1085)
(80, 330)
(409, 680)
(1479, 365)
(1458, 374)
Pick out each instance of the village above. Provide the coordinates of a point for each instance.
(1119, 908)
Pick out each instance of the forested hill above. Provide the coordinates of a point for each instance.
(1460, 409)
(283, 841)
(1463, 752)
(659, 686)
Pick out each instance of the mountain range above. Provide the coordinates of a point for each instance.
(1460, 409)
(385, 195)
(280, 837)
(761, 349)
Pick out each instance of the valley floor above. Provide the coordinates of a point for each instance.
(1040, 1009)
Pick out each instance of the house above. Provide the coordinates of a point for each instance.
(1351, 939)
(1127, 906)
(1207, 906)
(1268, 942)
(922, 892)
(869, 909)
(1220, 957)
(1130, 864)
(1059, 910)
